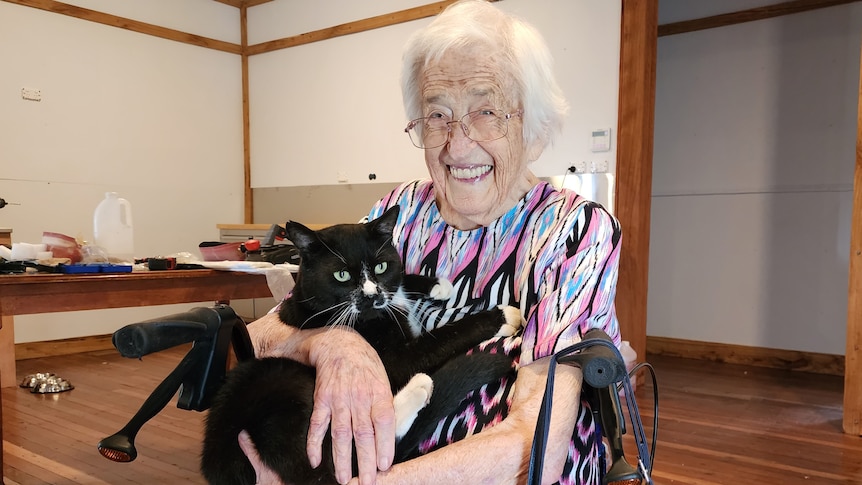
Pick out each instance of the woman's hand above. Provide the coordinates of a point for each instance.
(352, 394)
(501, 455)
(352, 397)
(263, 475)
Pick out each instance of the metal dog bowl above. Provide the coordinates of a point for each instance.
(45, 383)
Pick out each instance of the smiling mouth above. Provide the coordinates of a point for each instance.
(469, 173)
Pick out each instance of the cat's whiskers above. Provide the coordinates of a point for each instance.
(346, 316)
(394, 306)
(403, 303)
(338, 317)
(402, 297)
(333, 307)
(391, 309)
(399, 310)
(412, 296)
(411, 311)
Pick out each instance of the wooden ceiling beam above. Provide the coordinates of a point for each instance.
(232, 3)
(129, 24)
(242, 3)
(742, 16)
(370, 23)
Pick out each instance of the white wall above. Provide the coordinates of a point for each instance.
(156, 120)
(334, 107)
(752, 179)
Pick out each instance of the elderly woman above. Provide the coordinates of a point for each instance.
(478, 87)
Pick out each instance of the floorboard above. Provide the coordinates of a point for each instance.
(719, 424)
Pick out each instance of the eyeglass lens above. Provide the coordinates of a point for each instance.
(483, 125)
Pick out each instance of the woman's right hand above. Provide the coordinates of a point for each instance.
(352, 397)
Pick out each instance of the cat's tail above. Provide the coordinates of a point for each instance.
(452, 383)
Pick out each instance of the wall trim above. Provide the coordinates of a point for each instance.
(354, 27)
(129, 24)
(754, 356)
(53, 348)
(243, 3)
(750, 15)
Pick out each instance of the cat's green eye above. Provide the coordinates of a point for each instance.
(380, 268)
(342, 275)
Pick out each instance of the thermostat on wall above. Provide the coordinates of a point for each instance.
(600, 140)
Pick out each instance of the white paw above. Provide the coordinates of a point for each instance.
(514, 321)
(442, 290)
(410, 400)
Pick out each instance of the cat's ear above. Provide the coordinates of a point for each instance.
(301, 237)
(385, 224)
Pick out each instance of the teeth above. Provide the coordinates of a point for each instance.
(469, 173)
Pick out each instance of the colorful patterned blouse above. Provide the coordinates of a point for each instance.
(554, 255)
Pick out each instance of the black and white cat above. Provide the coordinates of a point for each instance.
(350, 274)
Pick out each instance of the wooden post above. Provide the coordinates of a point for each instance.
(638, 45)
(5, 327)
(248, 209)
(853, 356)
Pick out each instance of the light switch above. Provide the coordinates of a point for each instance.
(600, 140)
(31, 94)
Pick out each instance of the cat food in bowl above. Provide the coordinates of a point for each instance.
(46, 382)
(221, 251)
(31, 380)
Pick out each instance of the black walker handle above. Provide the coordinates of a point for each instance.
(139, 339)
(198, 376)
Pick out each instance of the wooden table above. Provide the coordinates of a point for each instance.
(48, 293)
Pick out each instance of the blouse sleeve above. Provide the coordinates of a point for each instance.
(575, 277)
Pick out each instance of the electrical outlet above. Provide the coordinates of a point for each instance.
(580, 166)
(598, 166)
(31, 94)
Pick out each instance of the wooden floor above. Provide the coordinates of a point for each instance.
(719, 424)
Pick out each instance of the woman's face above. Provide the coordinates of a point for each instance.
(475, 182)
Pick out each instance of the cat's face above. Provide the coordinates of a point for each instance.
(350, 269)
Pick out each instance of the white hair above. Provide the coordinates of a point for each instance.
(523, 55)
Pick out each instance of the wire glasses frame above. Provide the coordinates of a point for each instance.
(480, 126)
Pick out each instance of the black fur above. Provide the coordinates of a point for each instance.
(272, 398)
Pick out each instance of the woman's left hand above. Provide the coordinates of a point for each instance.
(263, 474)
(352, 402)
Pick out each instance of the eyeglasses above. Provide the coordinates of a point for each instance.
(483, 125)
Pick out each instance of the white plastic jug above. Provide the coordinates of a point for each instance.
(112, 227)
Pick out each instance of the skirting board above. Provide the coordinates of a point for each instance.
(754, 356)
(690, 349)
(50, 348)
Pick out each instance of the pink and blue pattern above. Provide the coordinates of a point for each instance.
(554, 255)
